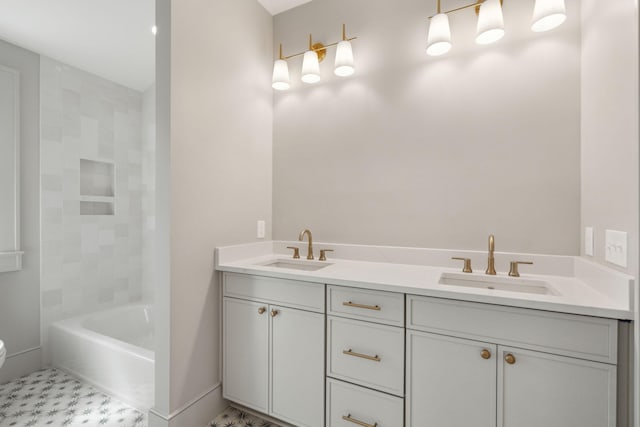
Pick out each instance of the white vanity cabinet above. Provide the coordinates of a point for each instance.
(449, 382)
(486, 365)
(365, 358)
(273, 349)
(541, 389)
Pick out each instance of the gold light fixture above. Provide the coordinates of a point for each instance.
(313, 56)
(548, 14)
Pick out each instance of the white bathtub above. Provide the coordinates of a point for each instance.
(113, 349)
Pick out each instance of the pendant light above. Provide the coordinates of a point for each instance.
(344, 56)
(490, 22)
(548, 14)
(344, 64)
(439, 38)
(281, 79)
(310, 65)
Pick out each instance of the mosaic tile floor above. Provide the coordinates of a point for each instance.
(233, 417)
(52, 398)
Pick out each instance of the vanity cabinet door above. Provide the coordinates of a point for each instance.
(246, 353)
(539, 389)
(451, 382)
(297, 366)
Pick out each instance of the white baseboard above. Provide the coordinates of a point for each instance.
(20, 364)
(197, 413)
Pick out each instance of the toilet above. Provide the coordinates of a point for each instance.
(3, 353)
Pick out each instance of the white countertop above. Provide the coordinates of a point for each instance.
(581, 287)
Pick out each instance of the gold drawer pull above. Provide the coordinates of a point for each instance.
(360, 423)
(510, 359)
(362, 356)
(368, 307)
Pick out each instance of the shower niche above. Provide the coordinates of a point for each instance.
(97, 192)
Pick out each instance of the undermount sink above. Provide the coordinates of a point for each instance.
(302, 265)
(510, 284)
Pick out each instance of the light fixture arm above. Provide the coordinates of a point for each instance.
(477, 5)
(318, 47)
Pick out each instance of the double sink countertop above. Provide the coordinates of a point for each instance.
(554, 283)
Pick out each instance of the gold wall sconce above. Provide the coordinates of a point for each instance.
(547, 15)
(344, 64)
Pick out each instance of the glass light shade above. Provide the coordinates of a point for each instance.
(281, 79)
(490, 22)
(439, 38)
(548, 14)
(344, 59)
(310, 67)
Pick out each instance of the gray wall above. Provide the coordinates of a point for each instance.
(610, 123)
(220, 176)
(431, 152)
(20, 291)
(610, 112)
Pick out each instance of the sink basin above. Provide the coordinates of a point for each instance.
(510, 284)
(296, 265)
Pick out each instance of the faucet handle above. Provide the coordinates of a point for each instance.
(296, 252)
(323, 254)
(513, 267)
(467, 264)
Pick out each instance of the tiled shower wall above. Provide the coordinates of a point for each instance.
(148, 191)
(89, 262)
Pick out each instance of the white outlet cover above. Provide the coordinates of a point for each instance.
(588, 241)
(260, 232)
(616, 247)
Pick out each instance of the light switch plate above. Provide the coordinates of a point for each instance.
(588, 241)
(260, 229)
(616, 247)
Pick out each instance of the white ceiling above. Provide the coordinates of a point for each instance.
(278, 6)
(110, 38)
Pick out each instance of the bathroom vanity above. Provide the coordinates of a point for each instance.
(363, 340)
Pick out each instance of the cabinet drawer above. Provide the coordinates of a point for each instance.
(352, 406)
(291, 293)
(365, 353)
(584, 337)
(373, 306)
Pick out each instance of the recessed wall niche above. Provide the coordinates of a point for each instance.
(97, 193)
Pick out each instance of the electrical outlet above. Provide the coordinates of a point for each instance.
(588, 241)
(616, 247)
(260, 229)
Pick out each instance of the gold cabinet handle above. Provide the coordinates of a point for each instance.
(510, 359)
(261, 310)
(467, 264)
(368, 307)
(274, 312)
(296, 251)
(485, 354)
(350, 352)
(358, 422)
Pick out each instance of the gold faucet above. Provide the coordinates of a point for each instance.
(491, 265)
(301, 238)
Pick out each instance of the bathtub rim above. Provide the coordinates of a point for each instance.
(74, 325)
